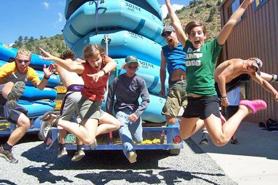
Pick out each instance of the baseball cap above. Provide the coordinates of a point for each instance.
(131, 59)
(259, 64)
(167, 29)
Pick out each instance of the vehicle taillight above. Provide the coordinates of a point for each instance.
(177, 139)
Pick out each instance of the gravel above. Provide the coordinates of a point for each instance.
(37, 166)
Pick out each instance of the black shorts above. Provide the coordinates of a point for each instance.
(11, 115)
(202, 107)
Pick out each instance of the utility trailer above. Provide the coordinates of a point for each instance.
(154, 138)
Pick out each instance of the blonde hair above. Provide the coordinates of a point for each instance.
(67, 54)
(93, 50)
(24, 52)
(193, 24)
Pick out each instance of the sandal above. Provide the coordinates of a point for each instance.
(49, 116)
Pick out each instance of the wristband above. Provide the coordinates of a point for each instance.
(274, 78)
(46, 77)
(104, 71)
(224, 97)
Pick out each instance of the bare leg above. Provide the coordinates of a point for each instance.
(23, 126)
(107, 123)
(221, 135)
(189, 126)
(63, 134)
(88, 130)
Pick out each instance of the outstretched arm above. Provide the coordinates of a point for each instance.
(68, 64)
(227, 29)
(269, 77)
(267, 86)
(110, 65)
(176, 23)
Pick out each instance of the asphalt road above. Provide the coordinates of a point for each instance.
(37, 166)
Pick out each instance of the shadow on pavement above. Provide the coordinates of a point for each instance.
(253, 141)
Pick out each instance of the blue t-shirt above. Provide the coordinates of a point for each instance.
(175, 58)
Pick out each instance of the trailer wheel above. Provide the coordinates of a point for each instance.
(175, 151)
(45, 127)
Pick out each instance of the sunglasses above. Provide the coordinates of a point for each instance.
(166, 33)
(20, 60)
(254, 67)
(132, 67)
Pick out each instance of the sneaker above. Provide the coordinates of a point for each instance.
(7, 155)
(79, 154)
(94, 145)
(204, 141)
(63, 152)
(132, 157)
(15, 94)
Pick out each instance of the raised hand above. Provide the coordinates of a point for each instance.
(46, 55)
(48, 71)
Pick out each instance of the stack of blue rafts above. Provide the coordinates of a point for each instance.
(123, 27)
(36, 101)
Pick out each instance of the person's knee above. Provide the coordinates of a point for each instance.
(117, 124)
(89, 141)
(24, 121)
(184, 135)
(220, 141)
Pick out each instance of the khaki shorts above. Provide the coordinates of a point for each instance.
(176, 99)
(89, 109)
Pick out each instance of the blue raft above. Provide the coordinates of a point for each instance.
(149, 5)
(6, 52)
(116, 14)
(121, 44)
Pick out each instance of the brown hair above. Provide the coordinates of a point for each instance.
(93, 50)
(25, 52)
(193, 24)
(67, 54)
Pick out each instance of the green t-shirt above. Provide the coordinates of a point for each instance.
(200, 66)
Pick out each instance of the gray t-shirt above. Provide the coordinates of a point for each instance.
(127, 91)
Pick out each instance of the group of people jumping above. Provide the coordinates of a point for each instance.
(190, 62)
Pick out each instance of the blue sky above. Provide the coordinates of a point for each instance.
(36, 18)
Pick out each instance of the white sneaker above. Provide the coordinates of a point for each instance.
(79, 154)
(132, 157)
(63, 152)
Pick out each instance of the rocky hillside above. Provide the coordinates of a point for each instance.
(204, 10)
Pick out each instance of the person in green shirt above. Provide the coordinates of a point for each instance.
(203, 104)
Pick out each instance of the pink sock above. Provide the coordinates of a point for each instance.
(255, 105)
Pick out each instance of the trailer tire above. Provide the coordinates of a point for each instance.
(174, 151)
(45, 128)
